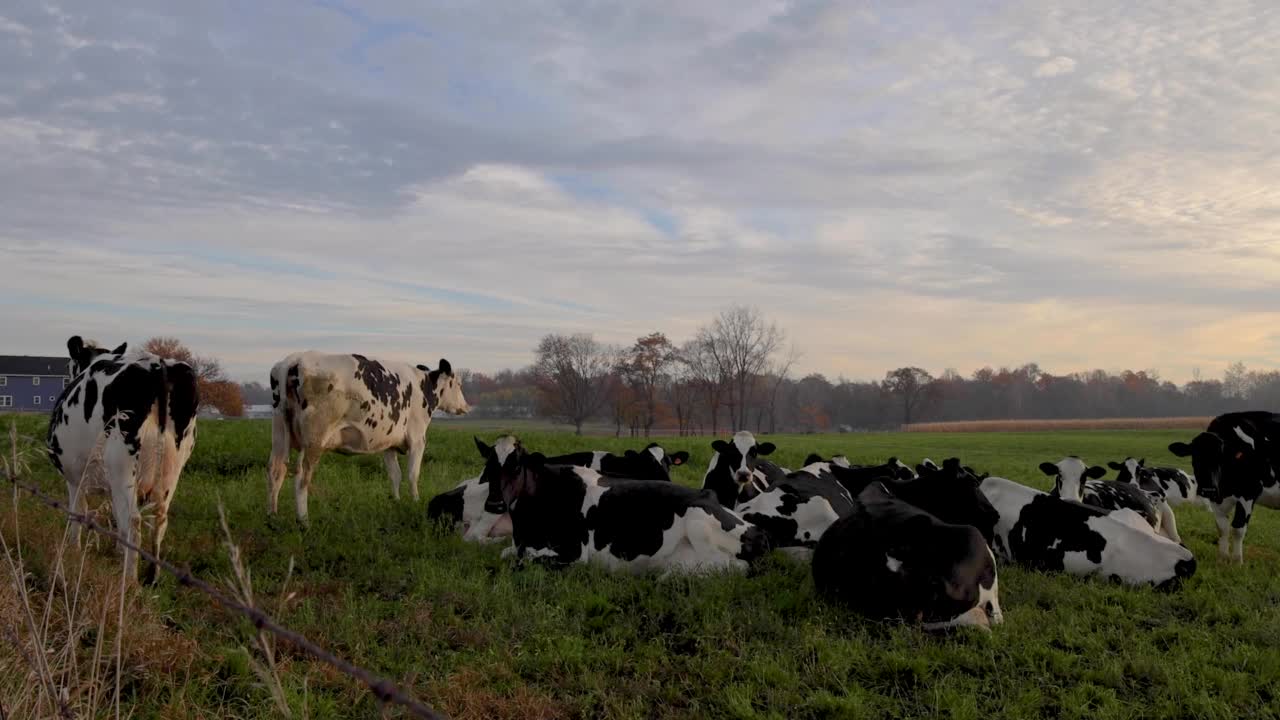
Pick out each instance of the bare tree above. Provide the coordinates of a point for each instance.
(212, 384)
(740, 345)
(706, 378)
(777, 375)
(572, 373)
(912, 385)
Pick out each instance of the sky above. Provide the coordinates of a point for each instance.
(949, 185)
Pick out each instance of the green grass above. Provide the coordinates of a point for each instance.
(478, 639)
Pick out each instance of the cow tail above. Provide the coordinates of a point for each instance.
(162, 397)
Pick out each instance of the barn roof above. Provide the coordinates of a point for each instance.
(33, 365)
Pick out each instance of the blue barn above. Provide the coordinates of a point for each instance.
(31, 384)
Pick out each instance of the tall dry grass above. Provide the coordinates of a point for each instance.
(1170, 423)
(66, 649)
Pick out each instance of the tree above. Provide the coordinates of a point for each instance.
(706, 378)
(740, 345)
(644, 368)
(912, 385)
(1235, 381)
(215, 389)
(572, 374)
(255, 393)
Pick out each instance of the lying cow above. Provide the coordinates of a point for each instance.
(1236, 462)
(856, 478)
(1074, 480)
(1173, 484)
(353, 405)
(890, 559)
(951, 493)
(567, 514)
(126, 421)
(737, 473)
(651, 463)
(467, 503)
(1048, 533)
(797, 509)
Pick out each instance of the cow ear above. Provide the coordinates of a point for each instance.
(1142, 462)
(630, 453)
(120, 349)
(765, 448)
(1095, 472)
(1049, 469)
(445, 367)
(424, 368)
(719, 446)
(485, 450)
(1180, 449)
(1115, 465)
(952, 463)
(813, 458)
(679, 458)
(75, 345)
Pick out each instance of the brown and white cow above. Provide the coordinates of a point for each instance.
(354, 405)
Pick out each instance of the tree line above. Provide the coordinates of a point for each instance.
(736, 373)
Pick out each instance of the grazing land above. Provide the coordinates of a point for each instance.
(1161, 423)
(374, 582)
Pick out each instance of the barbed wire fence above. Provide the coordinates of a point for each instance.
(383, 689)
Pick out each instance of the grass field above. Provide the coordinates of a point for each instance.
(477, 639)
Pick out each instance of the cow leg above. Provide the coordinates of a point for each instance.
(1240, 524)
(278, 464)
(308, 459)
(123, 477)
(1221, 516)
(76, 503)
(392, 460)
(416, 449)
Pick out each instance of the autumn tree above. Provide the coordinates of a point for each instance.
(911, 385)
(215, 389)
(572, 373)
(644, 367)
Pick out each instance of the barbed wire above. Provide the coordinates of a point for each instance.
(383, 689)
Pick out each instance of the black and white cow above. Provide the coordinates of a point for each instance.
(1171, 483)
(1076, 480)
(353, 404)
(467, 503)
(1236, 462)
(651, 463)
(126, 422)
(856, 478)
(952, 493)
(567, 514)
(1047, 533)
(890, 559)
(796, 509)
(737, 471)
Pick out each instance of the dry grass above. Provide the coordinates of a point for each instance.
(1169, 423)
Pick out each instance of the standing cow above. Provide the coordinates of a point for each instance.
(126, 421)
(1236, 462)
(353, 404)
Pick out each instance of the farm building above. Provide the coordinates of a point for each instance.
(31, 383)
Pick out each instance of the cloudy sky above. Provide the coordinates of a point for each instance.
(945, 184)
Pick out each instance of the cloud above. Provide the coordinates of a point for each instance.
(1060, 65)
(897, 185)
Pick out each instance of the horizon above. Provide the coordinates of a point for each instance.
(931, 185)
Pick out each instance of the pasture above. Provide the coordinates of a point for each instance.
(375, 583)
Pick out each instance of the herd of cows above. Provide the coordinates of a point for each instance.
(889, 540)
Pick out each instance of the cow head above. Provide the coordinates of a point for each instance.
(519, 479)
(733, 473)
(445, 388)
(498, 458)
(952, 493)
(940, 574)
(660, 455)
(84, 352)
(1069, 475)
(1128, 471)
(1208, 455)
